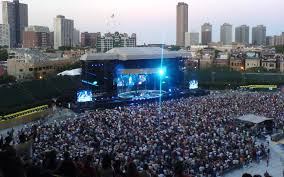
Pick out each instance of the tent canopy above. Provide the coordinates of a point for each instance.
(253, 118)
(73, 72)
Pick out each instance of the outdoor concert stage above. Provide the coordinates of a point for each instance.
(133, 74)
(112, 102)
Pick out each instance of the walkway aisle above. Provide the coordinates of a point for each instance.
(275, 168)
(60, 114)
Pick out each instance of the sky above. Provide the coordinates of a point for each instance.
(154, 21)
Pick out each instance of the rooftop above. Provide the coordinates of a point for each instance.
(251, 118)
(32, 54)
(136, 53)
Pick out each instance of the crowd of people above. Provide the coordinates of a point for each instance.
(195, 136)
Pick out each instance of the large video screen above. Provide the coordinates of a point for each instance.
(130, 80)
(84, 96)
(193, 84)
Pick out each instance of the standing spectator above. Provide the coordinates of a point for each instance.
(106, 170)
(67, 167)
(132, 170)
(145, 172)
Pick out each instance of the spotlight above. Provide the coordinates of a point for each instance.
(161, 71)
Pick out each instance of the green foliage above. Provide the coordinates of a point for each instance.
(3, 54)
(4, 47)
(216, 52)
(257, 70)
(7, 79)
(279, 49)
(64, 48)
(174, 48)
(50, 50)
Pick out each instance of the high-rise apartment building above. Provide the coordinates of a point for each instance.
(15, 14)
(268, 41)
(259, 35)
(63, 32)
(194, 38)
(206, 33)
(51, 39)
(186, 39)
(277, 40)
(226, 34)
(109, 41)
(89, 39)
(181, 23)
(4, 35)
(76, 38)
(191, 39)
(36, 37)
(242, 34)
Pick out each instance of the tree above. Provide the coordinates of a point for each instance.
(3, 54)
(257, 70)
(4, 47)
(5, 79)
(49, 50)
(174, 48)
(279, 49)
(63, 48)
(216, 52)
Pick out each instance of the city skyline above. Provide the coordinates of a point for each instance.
(158, 25)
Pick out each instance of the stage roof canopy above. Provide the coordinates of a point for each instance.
(253, 118)
(73, 72)
(136, 53)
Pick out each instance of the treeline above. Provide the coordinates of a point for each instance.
(279, 49)
(3, 54)
(5, 79)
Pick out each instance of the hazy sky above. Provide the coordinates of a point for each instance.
(154, 21)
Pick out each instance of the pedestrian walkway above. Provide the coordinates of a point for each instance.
(59, 114)
(275, 167)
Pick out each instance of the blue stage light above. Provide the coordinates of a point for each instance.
(162, 71)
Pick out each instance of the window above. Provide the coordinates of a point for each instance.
(30, 69)
(21, 70)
